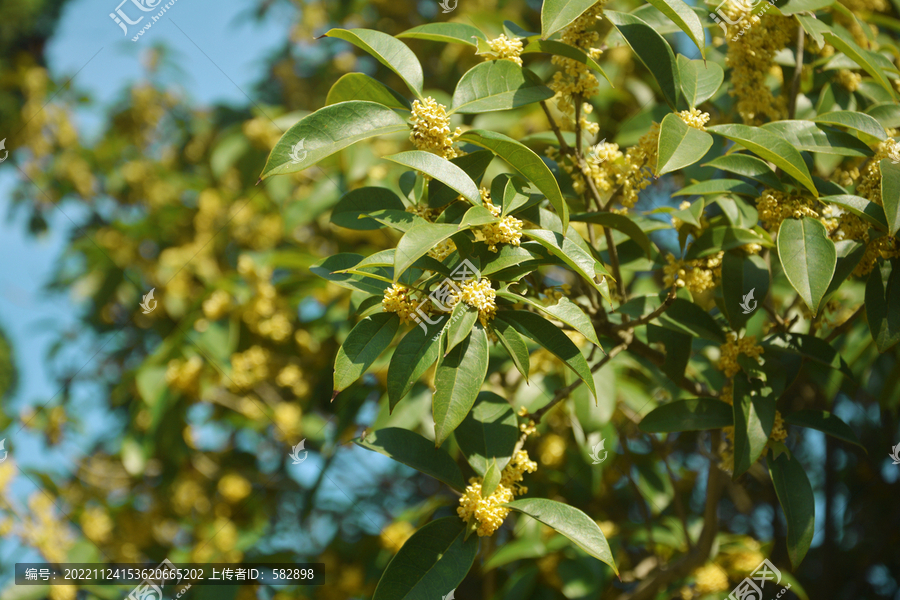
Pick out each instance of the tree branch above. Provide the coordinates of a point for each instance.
(798, 72)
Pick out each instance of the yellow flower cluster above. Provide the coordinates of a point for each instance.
(184, 375)
(552, 450)
(708, 579)
(774, 207)
(217, 305)
(735, 346)
(752, 59)
(420, 211)
(576, 79)
(479, 294)
(443, 249)
(397, 300)
(695, 118)
(686, 228)
(698, 275)
(431, 128)
(779, 433)
(640, 164)
(529, 428)
(848, 79)
(266, 313)
(249, 368)
(489, 512)
(506, 48)
(96, 524)
(43, 530)
(395, 535)
(600, 164)
(507, 231)
(291, 376)
(234, 487)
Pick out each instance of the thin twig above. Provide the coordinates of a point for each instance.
(798, 72)
(846, 324)
(646, 319)
(563, 147)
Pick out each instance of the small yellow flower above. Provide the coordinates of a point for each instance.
(489, 512)
(431, 128)
(735, 346)
(480, 295)
(397, 300)
(695, 118)
(848, 79)
(506, 48)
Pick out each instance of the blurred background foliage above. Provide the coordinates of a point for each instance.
(208, 392)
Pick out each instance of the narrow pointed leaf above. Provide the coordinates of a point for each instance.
(361, 201)
(416, 242)
(387, 50)
(514, 344)
(366, 342)
(883, 304)
(700, 80)
(571, 522)
(550, 337)
(565, 310)
(770, 146)
(853, 120)
(890, 194)
(462, 320)
(432, 562)
(327, 131)
(796, 498)
(457, 382)
(490, 431)
(741, 276)
(747, 166)
(687, 20)
(526, 162)
(808, 258)
(620, 223)
(825, 422)
(694, 414)
(754, 416)
(444, 32)
(652, 50)
(441, 169)
(570, 252)
(860, 57)
(862, 208)
(413, 450)
(561, 49)
(415, 353)
(491, 479)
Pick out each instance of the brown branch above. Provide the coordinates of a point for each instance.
(846, 324)
(646, 319)
(563, 146)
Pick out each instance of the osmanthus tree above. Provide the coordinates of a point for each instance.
(516, 248)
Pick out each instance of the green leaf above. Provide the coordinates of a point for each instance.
(694, 414)
(677, 350)
(718, 186)
(887, 114)
(652, 50)
(860, 57)
(804, 135)
(796, 498)
(441, 169)
(561, 49)
(797, 6)
(849, 253)
(745, 283)
(462, 320)
(814, 28)
(394, 218)
(770, 146)
(687, 20)
(808, 258)
(327, 131)
(474, 164)
(490, 431)
(387, 50)
(357, 86)
(700, 80)
(808, 346)
(415, 451)
(747, 166)
(491, 479)
(510, 192)
(457, 382)
(882, 302)
(890, 194)
(862, 208)
(361, 201)
(738, 213)
(853, 120)
(684, 315)
(497, 85)
(550, 337)
(825, 422)
(444, 32)
(477, 216)
(414, 354)
(565, 310)
(525, 161)
(514, 344)
(557, 14)
(430, 564)
(329, 269)
(570, 252)
(620, 223)
(366, 342)
(416, 242)
(680, 145)
(754, 416)
(571, 522)
(716, 239)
